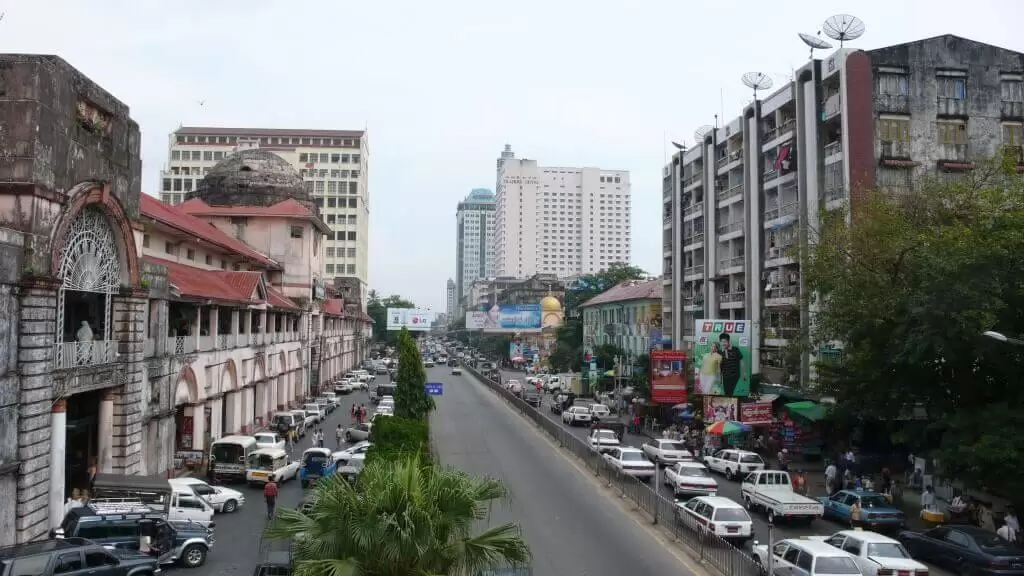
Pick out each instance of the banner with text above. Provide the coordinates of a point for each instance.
(756, 413)
(476, 320)
(513, 318)
(721, 357)
(413, 319)
(719, 408)
(668, 376)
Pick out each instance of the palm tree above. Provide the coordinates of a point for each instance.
(401, 518)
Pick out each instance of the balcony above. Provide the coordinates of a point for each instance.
(784, 252)
(780, 333)
(67, 355)
(1011, 110)
(697, 238)
(782, 296)
(667, 220)
(896, 150)
(696, 178)
(732, 298)
(693, 272)
(729, 158)
(692, 209)
(225, 341)
(731, 191)
(892, 103)
(730, 227)
(729, 263)
(774, 133)
(834, 192)
(179, 345)
(833, 148)
(951, 107)
(952, 152)
(775, 212)
(693, 304)
(832, 106)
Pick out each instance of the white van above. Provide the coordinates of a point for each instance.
(229, 455)
(267, 462)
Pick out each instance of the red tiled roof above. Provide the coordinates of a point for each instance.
(203, 284)
(278, 300)
(334, 307)
(629, 290)
(244, 282)
(174, 217)
(289, 208)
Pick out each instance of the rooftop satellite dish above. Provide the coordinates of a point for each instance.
(702, 131)
(814, 42)
(843, 27)
(679, 146)
(757, 81)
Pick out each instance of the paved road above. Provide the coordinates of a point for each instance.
(572, 527)
(727, 488)
(238, 534)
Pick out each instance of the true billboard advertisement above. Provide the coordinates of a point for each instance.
(721, 357)
(512, 318)
(719, 408)
(415, 320)
(756, 413)
(476, 320)
(668, 376)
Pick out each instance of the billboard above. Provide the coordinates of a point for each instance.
(414, 319)
(510, 318)
(668, 376)
(721, 357)
(476, 320)
(756, 413)
(515, 350)
(719, 408)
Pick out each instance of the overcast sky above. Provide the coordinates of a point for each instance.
(443, 85)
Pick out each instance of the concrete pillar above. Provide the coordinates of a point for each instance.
(106, 431)
(197, 326)
(198, 427)
(58, 453)
(216, 417)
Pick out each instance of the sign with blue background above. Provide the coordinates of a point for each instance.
(434, 388)
(510, 318)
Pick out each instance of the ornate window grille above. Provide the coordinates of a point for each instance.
(89, 262)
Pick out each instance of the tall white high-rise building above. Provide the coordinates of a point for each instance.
(563, 221)
(333, 164)
(450, 308)
(474, 239)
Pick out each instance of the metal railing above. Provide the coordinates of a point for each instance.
(77, 354)
(224, 341)
(731, 227)
(730, 192)
(687, 533)
(783, 292)
(693, 270)
(693, 209)
(731, 297)
(693, 239)
(833, 148)
(731, 262)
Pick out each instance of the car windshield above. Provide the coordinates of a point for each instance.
(875, 501)
(887, 550)
(315, 458)
(673, 446)
(731, 515)
(312, 408)
(599, 408)
(693, 471)
(261, 462)
(835, 565)
(282, 419)
(751, 459)
(606, 435)
(632, 457)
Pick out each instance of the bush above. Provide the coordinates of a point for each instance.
(396, 439)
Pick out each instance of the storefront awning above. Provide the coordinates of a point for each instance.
(807, 409)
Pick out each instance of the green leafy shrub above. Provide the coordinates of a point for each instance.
(396, 438)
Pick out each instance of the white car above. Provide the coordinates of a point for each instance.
(576, 415)
(798, 556)
(514, 386)
(603, 440)
(428, 363)
(665, 452)
(267, 463)
(316, 411)
(222, 499)
(690, 479)
(333, 398)
(456, 371)
(722, 516)
(629, 461)
(878, 552)
(553, 383)
(358, 432)
(354, 455)
(269, 440)
(734, 463)
(598, 411)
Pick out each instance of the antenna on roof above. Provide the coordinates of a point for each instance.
(757, 81)
(843, 28)
(814, 42)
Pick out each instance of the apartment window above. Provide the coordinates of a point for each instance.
(332, 187)
(209, 260)
(319, 187)
(893, 84)
(303, 157)
(355, 158)
(350, 252)
(350, 269)
(188, 184)
(330, 252)
(296, 231)
(1012, 90)
(353, 188)
(196, 155)
(355, 173)
(319, 202)
(323, 158)
(330, 268)
(335, 158)
(951, 87)
(208, 155)
(223, 264)
(309, 186)
(331, 235)
(351, 236)
(351, 219)
(1012, 135)
(951, 132)
(175, 154)
(190, 254)
(145, 240)
(239, 220)
(177, 184)
(344, 158)
(171, 248)
(167, 184)
(335, 173)
(330, 218)
(218, 155)
(894, 129)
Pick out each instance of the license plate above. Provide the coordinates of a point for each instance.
(259, 475)
(732, 529)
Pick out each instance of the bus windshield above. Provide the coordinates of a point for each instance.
(228, 453)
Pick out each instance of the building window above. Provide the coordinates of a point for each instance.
(218, 155)
(951, 132)
(145, 240)
(319, 187)
(330, 252)
(951, 87)
(894, 129)
(177, 184)
(296, 231)
(350, 269)
(332, 187)
(355, 173)
(175, 154)
(344, 158)
(352, 235)
(190, 254)
(196, 155)
(170, 248)
(330, 218)
(892, 84)
(1012, 134)
(303, 157)
(208, 155)
(355, 158)
(332, 202)
(188, 184)
(209, 260)
(166, 198)
(353, 188)
(1012, 90)
(351, 219)
(353, 202)
(350, 252)
(335, 158)
(320, 202)
(323, 158)
(330, 268)
(167, 184)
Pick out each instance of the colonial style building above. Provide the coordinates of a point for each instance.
(134, 332)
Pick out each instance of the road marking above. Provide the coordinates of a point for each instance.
(645, 525)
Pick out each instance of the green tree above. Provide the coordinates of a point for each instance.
(400, 519)
(908, 284)
(377, 309)
(641, 379)
(411, 399)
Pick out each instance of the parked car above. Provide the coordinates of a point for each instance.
(575, 415)
(222, 498)
(722, 516)
(734, 463)
(269, 440)
(965, 550)
(665, 452)
(182, 542)
(771, 491)
(882, 554)
(689, 479)
(629, 461)
(797, 556)
(285, 421)
(876, 512)
(74, 556)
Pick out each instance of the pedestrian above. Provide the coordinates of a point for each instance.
(830, 478)
(1011, 519)
(362, 413)
(1007, 532)
(927, 500)
(783, 459)
(270, 495)
(354, 410)
(800, 483)
(320, 438)
(855, 513)
(337, 435)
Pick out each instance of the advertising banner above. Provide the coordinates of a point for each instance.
(756, 413)
(668, 376)
(515, 350)
(413, 319)
(719, 408)
(512, 318)
(476, 320)
(721, 357)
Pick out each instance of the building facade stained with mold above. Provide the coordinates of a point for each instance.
(132, 333)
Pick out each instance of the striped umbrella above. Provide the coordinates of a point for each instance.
(726, 427)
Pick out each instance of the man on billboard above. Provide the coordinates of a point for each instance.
(732, 364)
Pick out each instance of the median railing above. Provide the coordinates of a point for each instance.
(686, 532)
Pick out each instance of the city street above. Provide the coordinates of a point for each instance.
(571, 525)
(238, 533)
(726, 488)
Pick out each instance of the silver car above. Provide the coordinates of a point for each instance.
(359, 432)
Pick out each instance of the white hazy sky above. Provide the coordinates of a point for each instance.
(443, 85)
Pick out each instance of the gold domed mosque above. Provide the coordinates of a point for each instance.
(552, 315)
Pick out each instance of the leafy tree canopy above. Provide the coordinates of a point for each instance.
(908, 284)
(411, 399)
(377, 309)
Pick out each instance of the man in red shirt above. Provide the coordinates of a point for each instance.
(270, 494)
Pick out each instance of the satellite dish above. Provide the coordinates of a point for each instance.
(757, 81)
(701, 132)
(814, 42)
(843, 28)
(679, 146)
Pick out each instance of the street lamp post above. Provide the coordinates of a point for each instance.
(999, 336)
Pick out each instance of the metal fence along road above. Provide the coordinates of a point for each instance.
(703, 544)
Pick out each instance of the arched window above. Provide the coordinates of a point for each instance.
(90, 274)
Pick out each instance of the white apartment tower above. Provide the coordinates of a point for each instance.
(563, 221)
(333, 164)
(474, 239)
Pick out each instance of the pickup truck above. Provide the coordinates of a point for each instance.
(665, 452)
(602, 441)
(771, 491)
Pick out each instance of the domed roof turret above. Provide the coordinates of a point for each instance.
(252, 177)
(550, 304)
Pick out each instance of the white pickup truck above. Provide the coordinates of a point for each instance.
(771, 491)
(665, 452)
(602, 441)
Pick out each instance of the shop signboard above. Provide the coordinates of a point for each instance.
(412, 319)
(721, 357)
(719, 408)
(476, 320)
(668, 376)
(513, 318)
(756, 413)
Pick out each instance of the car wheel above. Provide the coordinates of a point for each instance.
(193, 556)
(965, 570)
(728, 474)
(348, 436)
(229, 507)
(748, 504)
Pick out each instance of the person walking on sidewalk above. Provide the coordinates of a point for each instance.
(270, 495)
(338, 435)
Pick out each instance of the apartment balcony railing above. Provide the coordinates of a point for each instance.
(774, 133)
(834, 193)
(776, 211)
(832, 106)
(731, 227)
(895, 149)
(783, 292)
(892, 103)
(781, 332)
(730, 192)
(697, 270)
(693, 238)
(693, 209)
(731, 262)
(1011, 110)
(833, 148)
(77, 354)
(784, 251)
(667, 219)
(951, 107)
(730, 157)
(770, 174)
(224, 341)
(667, 246)
(693, 180)
(725, 297)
